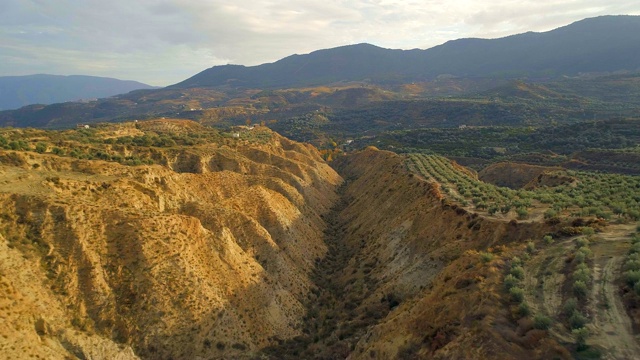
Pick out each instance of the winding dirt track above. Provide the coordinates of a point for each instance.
(610, 325)
(543, 283)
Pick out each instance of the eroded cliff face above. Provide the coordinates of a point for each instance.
(404, 276)
(207, 256)
(245, 249)
(442, 300)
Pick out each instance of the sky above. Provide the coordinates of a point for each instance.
(162, 42)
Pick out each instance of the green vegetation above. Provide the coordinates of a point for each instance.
(600, 195)
(524, 310)
(97, 143)
(517, 294)
(513, 285)
(574, 311)
(511, 281)
(580, 334)
(570, 306)
(542, 322)
(486, 257)
(631, 267)
(504, 142)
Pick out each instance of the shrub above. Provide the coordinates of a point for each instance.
(582, 241)
(511, 281)
(581, 335)
(580, 289)
(516, 261)
(635, 248)
(518, 272)
(523, 309)
(588, 231)
(582, 274)
(239, 346)
(577, 320)
(582, 267)
(486, 257)
(522, 213)
(550, 213)
(632, 277)
(548, 239)
(632, 264)
(517, 294)
(531, 247)
(633, 256)
(41, 147)
(579, 257)
(585, 250)
(541, 322)
(570, 306)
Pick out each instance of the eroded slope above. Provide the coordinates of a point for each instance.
(404, 276)
(250, 249)
(103, 260)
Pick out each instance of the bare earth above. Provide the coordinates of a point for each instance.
(611, 326)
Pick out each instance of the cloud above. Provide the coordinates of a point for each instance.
(165, 41)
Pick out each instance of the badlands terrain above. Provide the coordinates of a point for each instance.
(164, 239)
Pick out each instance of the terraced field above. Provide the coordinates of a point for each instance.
(605, 196)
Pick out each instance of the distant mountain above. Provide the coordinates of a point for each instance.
(18, 91)
(596, 45)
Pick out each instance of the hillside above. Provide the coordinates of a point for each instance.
(583, 71)
(19, 91)
(207, 255)
(168, 239)
(596, 45)
(526, 91)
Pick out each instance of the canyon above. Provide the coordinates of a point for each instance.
(252, 246)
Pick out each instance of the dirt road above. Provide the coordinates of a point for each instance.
(610, 325)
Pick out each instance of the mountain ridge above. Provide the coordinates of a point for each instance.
(18, 91)
(583, 46)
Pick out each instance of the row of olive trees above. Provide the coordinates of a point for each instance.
(604, 196)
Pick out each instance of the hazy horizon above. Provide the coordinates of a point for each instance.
(161, 43)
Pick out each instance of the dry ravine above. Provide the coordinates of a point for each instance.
(253, 247)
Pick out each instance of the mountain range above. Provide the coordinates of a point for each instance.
(595, 45)
(18, 91)
(421, 204)
(570, 61)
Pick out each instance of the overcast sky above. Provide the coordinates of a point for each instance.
(161, 42)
